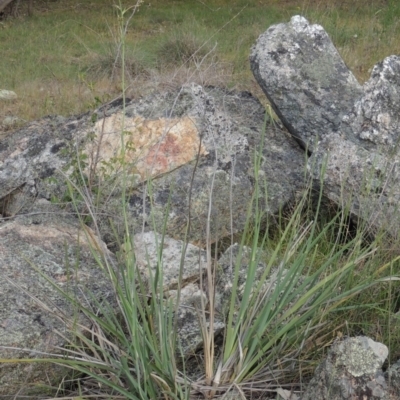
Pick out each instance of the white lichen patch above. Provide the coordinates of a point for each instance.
(361, 356)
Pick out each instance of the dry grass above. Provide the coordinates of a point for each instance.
(62, 60)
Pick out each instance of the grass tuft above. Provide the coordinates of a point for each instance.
(182, 45)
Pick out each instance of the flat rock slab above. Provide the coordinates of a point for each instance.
(193, 145)
(230, 134)
(153, 146)
(55, 245)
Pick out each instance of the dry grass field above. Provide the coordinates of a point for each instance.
(63, 59)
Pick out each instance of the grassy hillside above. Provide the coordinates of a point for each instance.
(63, 59)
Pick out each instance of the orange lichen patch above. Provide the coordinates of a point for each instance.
(152, 147)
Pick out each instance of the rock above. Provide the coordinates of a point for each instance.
(392, 375)
(49, 241)
(149, 258)
(351, 132)
(229, 132)
(189, 329)
(305, 79)
(33, 154)
(199, 138)
(374, 118)
(7, 95)
(164, 135)
(364, 156)
(352, 370)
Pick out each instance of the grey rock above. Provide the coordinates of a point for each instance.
(190, 337)
(35, 161)
(374, 119)
(231, 129)
(226, 127)
(33, 154)
(352, 370)
(350, 131)
(46, 241)
(364, 156)
(153, 253)
(392, 376)
(305, 79)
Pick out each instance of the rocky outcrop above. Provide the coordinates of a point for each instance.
(197, 143)
(352, 370)
(178, 161)
(51, 243)
(351, 131)
(191, 145)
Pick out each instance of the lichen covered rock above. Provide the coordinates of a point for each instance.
(351, 131)
(49, 243)
(352, 370)
(304, 78)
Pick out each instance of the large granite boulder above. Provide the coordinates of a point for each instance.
(305, 79)
(230, 133)
(52, 243)
(181, 148)
(350, 131)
